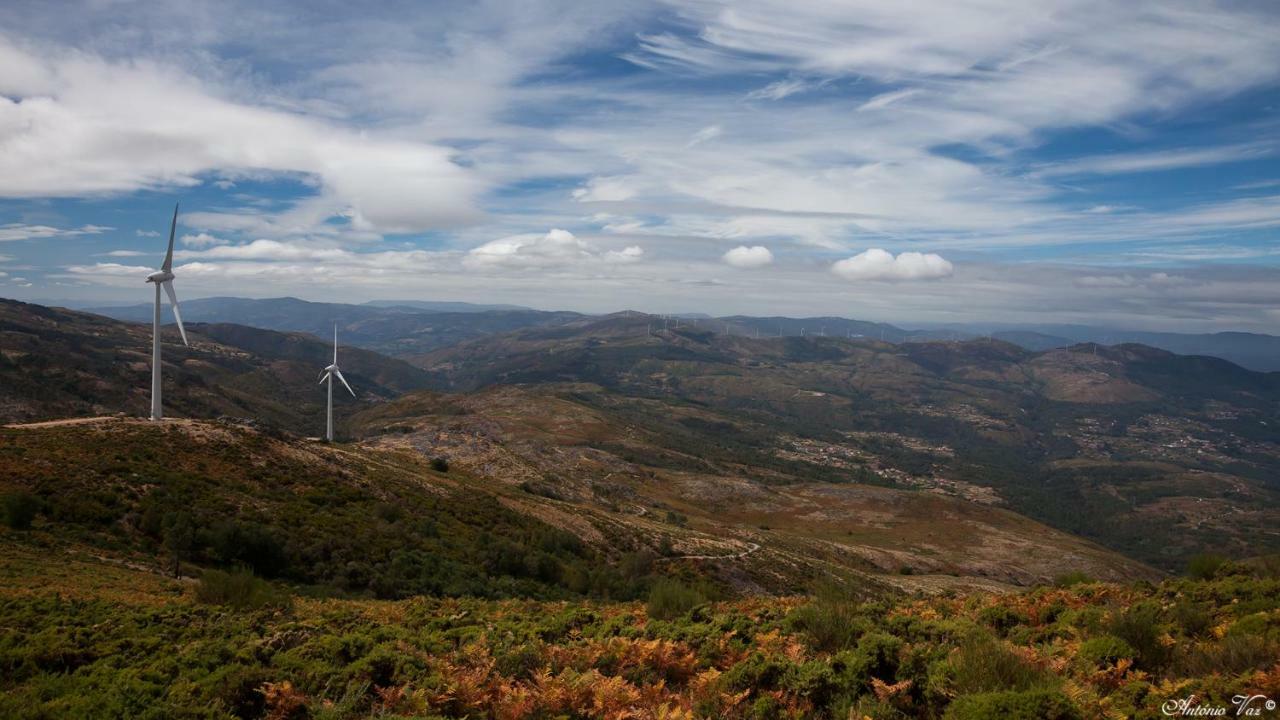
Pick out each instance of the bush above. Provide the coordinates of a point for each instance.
(1033, 705)
(1205, 566)
(1194, 618)
(831, 620)
(1066, 580)
(1104, 651)
(669, 599)
(240, 590)
(20, 510)
(1000, 618)
(440, 464)
(1139, 626)
(984, 664)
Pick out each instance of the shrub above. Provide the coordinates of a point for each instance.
(1104, 650)
(669, 599)
(1032, 705)
(984, 664)
(1000, 618)
(240, 590)
(440, 464)
(1205, 566)
(20, 510)
(1139, 626)
(832, 620)
(1233, 655)
(1194, 618)
(1072, 578)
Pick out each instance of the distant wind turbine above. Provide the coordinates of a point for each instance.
(328, 374)
(163, 278)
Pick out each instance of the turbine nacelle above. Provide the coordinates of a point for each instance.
(160, 276)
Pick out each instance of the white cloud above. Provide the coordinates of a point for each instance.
(878, 264)
(780, 89)
(606, 189)
(21, 231)
(884, 100)
(110, 270)
(148, 233)
(125, 253)
(201, 240)
(710, 132)
(555, 249)
(748, 257)
(85, 125)
(629, 254)
(1159, 160)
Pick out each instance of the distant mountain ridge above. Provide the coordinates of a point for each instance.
(404, 328)
(396, 330)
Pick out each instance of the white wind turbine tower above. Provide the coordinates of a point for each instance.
(328, 374)
(163, 277)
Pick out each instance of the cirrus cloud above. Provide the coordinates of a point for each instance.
(879, 264)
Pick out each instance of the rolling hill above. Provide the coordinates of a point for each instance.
(1157, 455)
(56, 363)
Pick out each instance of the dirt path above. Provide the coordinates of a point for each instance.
(751, 547)
(67, 421)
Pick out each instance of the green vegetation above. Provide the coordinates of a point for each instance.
(236, 646)
(339, 522)
(20, 509)
(669, 599)
(241, 590)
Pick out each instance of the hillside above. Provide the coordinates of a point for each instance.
(57, 363)
(779, 520)
(90, 638)
(1157, 455)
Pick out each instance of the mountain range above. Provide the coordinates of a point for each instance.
(877, 447)
(407, 327)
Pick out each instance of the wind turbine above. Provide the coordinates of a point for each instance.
(163, 277)
(328, 374)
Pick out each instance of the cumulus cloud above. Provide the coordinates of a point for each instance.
(631, 253)
(756, 256)
(125, 253)
(878, 264)
(555, 248)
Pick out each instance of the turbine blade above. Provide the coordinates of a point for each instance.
(173, 228)
(335, 343)
(323, 375)
(344, 382)
(173, 300)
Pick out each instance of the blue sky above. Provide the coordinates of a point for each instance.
(935, 161)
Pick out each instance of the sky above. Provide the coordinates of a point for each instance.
(924, 161)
